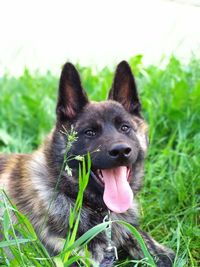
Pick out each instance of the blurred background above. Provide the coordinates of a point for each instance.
(44, 34)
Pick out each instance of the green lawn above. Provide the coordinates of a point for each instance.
(171, 104)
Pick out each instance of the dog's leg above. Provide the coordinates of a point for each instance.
(162, 255)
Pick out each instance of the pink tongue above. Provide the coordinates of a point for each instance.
(118, 195)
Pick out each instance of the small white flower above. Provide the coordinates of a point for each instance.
(79, 158)
(68, 170)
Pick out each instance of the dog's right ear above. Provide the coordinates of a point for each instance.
(71, 96)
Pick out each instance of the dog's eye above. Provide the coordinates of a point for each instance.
(90, 133)
(125, 128)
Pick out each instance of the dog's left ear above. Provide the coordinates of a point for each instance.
(124, 89)
(71, 96)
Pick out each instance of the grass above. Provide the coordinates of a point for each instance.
(170, 98)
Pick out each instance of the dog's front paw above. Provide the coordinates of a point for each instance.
(106, 263)
(108, 260)
(165, 258)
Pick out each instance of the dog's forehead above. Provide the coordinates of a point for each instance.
(105, 110)
(101, 112)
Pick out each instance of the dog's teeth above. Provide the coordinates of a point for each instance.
(99, 175)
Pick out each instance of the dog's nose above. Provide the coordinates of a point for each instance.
(120, 151)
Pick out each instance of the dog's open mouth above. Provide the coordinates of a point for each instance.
(117, 194)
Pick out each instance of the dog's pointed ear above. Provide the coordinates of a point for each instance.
(71, 96)
(124, 89)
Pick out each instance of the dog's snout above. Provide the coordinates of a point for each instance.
(120, 151)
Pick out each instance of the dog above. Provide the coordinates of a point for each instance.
(116, 135)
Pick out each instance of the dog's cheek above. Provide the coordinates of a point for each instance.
(82, 147)
(142, 138)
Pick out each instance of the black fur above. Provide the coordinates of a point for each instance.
(104, 120)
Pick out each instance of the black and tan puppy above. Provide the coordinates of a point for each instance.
(116, 135)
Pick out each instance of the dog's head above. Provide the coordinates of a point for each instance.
(113, 131)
